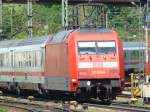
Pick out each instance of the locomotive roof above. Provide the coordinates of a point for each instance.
(63, 35)
(133, 45)
(94, 30)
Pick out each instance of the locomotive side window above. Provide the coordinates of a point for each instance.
(87, 47)
(106, 47)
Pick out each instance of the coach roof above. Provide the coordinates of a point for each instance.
(133, 45)
(23, 42)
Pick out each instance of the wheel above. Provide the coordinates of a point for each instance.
(146, 100)
(18, 90)
(9, 87)
(106, 102)
(43, 92)
(82, 96)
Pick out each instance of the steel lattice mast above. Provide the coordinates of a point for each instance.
(29, 14)
(65, 13)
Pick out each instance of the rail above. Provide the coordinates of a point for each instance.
(118, 106)
(34, 106)
(53, 106)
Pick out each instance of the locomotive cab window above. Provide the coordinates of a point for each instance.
(106, 47)
(99, 47)
(86, 47)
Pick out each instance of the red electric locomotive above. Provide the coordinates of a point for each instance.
(86, 62)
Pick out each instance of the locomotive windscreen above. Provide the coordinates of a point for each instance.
(87, 47)
(99, 47)
(107, 47)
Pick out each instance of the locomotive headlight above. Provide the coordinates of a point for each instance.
(74, 80)
(88, 83)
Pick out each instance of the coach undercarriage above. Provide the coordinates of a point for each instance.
(104, 90)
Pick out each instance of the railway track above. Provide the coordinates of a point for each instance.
(51, 106)
(34, 106)
(120, 107)
(21, 106)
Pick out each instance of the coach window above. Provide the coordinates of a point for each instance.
(38, 58)
(26, 59)
(1, 60)
(128, 55)
(125, 55)
(30, 59)
(134, 55)
(20, 59)
(137, 55)
(33, 58)
(141, 55)
(6, 60)
(23, 59)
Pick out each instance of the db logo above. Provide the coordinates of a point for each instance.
(97, 64)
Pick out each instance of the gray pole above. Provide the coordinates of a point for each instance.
(29, 11)
(65, 13)
(106, 20)
(11, 19)
(1, 16)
